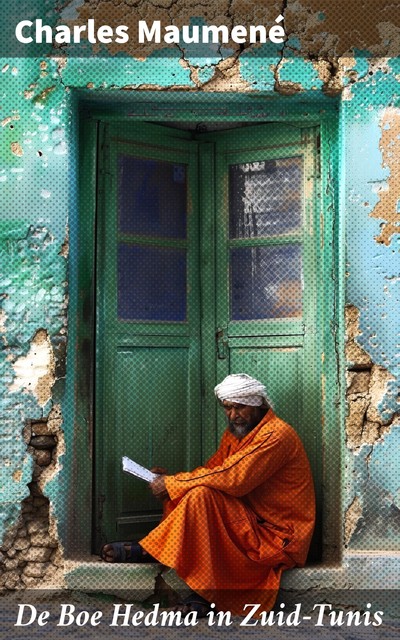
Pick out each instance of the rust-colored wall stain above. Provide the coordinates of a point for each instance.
(387, 208)
(323, 29)
(177, 13)
(335, 28)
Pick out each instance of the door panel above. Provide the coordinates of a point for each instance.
(266, 264)
(149, 403)
(264, 360)
(148, 335)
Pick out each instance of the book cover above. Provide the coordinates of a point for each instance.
(187, 191)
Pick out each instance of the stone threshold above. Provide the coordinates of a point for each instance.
(136, 581)
(357, 573)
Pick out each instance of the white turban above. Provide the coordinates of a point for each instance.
(243, 389)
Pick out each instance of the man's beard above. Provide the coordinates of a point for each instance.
(240, 430)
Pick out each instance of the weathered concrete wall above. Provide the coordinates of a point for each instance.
(373, 290)
(324, 55)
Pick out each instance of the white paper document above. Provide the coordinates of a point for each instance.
(137, 470)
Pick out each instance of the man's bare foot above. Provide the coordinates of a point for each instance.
(125, 552)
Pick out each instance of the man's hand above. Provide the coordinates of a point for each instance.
(158, 488)
(161, 471)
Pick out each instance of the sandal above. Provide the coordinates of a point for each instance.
(196, 603)
(134, 553)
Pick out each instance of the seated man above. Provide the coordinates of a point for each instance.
(232, 526)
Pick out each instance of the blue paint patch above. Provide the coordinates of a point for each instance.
(32, 270)
(372, 285)
(14, 458)
(375, 479)
(361, 64)
(257, 66)
(161, 68)
(300, 71)
(70, 11)
(205, 74)
(391, 404)
(373, 93)
(9, 512)
(394, 66)
(293, 42)
(384, 464)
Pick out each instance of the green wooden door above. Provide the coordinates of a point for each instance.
(266, 289)
(148, 335)
(207, 261)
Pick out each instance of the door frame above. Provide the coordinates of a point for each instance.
(331, 270)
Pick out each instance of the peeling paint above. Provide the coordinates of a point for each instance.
(387, 209)
(376, 473)
(369, 432)
(367, 386)
(16, 149)
(380, 380)
(9, 119)
(35, 371)
(17, 475)
(352, 517)
(31, 553)
(355, 354)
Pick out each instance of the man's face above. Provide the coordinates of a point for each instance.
(242, 418)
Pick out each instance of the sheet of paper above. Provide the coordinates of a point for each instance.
(137, 470)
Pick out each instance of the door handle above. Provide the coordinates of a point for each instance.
(222, 344)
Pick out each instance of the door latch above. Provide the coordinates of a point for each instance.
(222, 344)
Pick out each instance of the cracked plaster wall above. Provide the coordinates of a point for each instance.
(373, 457)
(323, 55)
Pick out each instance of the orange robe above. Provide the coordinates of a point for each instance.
(232, 526)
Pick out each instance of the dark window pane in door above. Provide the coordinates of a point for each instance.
(266, 282)
(151, 197)
(265, 198)
(151, 283)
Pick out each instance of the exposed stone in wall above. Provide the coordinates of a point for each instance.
(33, 338)
(366, 425)
(356, 357)
(227, 77)
(30, 555)
(366, 387)
(335, 73)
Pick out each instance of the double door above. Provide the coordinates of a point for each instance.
(206, 253)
